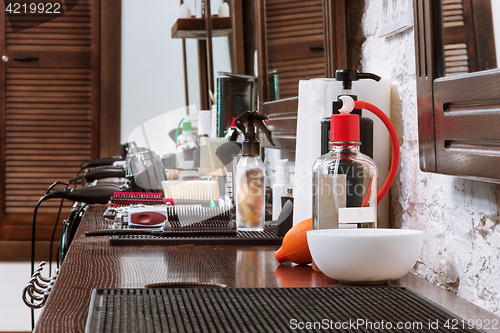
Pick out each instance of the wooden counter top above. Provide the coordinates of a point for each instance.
(92, 263)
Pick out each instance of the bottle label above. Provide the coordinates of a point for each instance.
(356, 215)
(250, 196)
(332, 189)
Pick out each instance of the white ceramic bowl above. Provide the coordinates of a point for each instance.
(365, 255)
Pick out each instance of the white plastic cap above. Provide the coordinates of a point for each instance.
(184, 11)
(224, 10)
(347, 106)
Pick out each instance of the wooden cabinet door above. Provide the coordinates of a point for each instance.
(49, 109)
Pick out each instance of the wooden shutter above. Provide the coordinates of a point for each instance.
(295, 42)
(468, 37)
(50, 109)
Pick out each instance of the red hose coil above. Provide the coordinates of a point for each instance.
(394, 141)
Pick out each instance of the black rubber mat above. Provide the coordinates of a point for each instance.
(267, 310)
(266, 237)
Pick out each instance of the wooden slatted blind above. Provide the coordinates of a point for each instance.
(455, 47)
(468, 36)
(50, 114)
(295, 42)
(47, 131)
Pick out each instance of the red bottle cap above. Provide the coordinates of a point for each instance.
(344, 128)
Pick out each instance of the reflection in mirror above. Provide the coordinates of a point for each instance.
(196, 60)
(222, 62)
(273, 85)
(470, 34)
(295, 44)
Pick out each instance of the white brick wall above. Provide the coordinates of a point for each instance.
(460, 218)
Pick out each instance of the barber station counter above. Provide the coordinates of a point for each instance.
(92, 263)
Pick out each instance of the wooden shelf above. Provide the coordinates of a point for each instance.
(283, 122)
(195, 27)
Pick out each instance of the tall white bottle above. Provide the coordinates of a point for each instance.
(186, 142)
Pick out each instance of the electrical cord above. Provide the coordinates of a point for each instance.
(82, 167)
(53, 235)
(53, 194)
(45, 197)
(61, 193)
(54, 184)
(59, 248)
(70, 228)
(75, 180)
(92, 195)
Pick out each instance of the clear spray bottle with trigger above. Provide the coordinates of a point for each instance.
(250, 190)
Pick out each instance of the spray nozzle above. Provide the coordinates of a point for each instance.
(252, 119)
(349, 75)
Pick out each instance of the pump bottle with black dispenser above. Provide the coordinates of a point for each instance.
(365, 123)
(344, 179)
(250, 185)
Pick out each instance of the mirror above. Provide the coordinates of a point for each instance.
(152, 62)
(285, 23)
(196, 60)
(295, 45)
(458, 102)
(221, 62)
(471, 33)
(289, 37)
(283, 113)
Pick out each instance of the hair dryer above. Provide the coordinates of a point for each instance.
(101, 172)
(99, 194)
(125, 149)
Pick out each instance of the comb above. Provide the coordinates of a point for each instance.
(199, 218)
(136, 198)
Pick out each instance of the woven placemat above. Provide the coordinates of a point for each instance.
(265, 237)
(268, 310)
